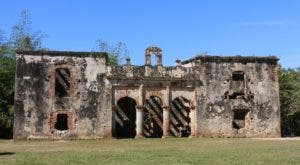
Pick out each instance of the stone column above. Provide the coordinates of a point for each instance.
(159, 59)
(113, 125)
(166, 121)
(166, 113)
(193, 113)
(140, 113)
(147, 58)
(193, 122)
(139, 122)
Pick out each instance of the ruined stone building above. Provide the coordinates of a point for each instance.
(77, 95)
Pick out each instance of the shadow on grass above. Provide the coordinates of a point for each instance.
(6, 153)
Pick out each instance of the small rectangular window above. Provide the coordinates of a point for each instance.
(236, 95)
(238, 76)
(239, 118)
(61, 122)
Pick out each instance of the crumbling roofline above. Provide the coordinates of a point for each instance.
(65, 53)
(241, 59)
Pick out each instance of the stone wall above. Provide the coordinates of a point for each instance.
(239, 98)
(75, 95)
(71, 83)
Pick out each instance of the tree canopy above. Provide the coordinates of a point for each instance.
(116, 52)
(289, 80)
(21, 38)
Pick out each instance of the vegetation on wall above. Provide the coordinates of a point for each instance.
(116, 52)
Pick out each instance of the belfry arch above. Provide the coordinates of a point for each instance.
(158, 56)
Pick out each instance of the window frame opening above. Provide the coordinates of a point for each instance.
(239, 118)
(238, 76)
(62, 82)
(62, 122)
(237, 95)
(153, 59)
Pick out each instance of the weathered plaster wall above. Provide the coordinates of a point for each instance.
(215, 108)
(87, 105)
(199, 97)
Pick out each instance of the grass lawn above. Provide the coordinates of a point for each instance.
(152, 151)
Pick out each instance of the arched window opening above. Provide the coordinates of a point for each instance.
(153, 59)
(62, 82)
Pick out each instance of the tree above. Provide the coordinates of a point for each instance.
(289, 80)
(116, 52)
(7, 73)
(22, 38)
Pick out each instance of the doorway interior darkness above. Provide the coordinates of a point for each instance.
(125, 117)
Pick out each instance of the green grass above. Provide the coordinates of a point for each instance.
(152, 151)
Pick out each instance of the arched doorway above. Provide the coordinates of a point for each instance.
(153, 117)
(125, 116)
(180, 117)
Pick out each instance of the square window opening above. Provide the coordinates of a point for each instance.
(61, 122)
(238, 76)
(239, 117)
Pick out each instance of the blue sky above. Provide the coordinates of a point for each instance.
(182, 29)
